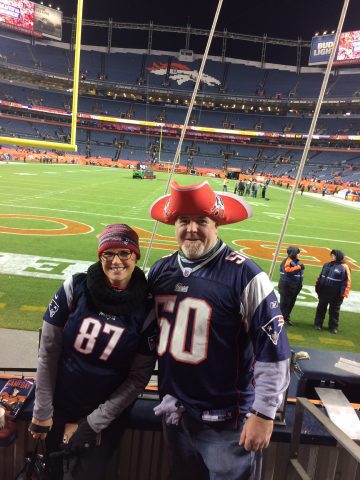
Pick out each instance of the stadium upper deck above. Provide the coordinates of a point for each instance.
(166, 71)
(163, 72)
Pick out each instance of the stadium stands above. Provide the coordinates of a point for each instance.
(166, 73)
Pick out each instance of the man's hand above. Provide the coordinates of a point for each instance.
(40, 428)
(256, 433)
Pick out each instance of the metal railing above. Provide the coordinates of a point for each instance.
(343, 441)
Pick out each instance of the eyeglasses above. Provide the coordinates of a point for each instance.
(122, 255)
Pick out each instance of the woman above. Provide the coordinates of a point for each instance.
(332, 286)
(96, 355)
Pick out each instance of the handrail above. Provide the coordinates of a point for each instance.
(344, 440)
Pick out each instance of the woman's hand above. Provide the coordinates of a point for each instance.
(40, 428)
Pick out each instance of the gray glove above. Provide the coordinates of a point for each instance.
(171, 408)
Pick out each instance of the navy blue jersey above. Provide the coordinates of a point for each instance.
(216, 320)
(98, 348)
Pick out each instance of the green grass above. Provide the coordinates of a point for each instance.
(98, 196)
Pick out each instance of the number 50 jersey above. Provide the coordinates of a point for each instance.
(216, 320)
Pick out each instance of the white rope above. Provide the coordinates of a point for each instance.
(310, 136)
(185, 125)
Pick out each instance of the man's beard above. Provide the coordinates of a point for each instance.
(193, 250)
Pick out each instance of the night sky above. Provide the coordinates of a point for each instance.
(277, 18)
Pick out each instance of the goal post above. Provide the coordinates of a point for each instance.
(66, 147)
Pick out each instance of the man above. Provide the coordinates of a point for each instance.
(225, 184)
(332, 286)
(223, 352)
(290, 282)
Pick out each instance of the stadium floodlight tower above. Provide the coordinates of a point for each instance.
(66, 147)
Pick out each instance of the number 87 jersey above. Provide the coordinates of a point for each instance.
(97, 348)
(217, 317)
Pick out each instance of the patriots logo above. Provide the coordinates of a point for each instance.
(273, 328)
(274, 304)
(218, 209)
(53, 307)
(166, 208)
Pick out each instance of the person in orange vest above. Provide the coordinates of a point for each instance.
(290, 282)
(332, 286)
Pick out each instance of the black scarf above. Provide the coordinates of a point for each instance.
(110, 301)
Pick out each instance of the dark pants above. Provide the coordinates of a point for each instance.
(288, 294)
(201, 452)
(334, 304)
(92, 464)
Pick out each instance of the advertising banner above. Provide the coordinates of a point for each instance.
(48, 22)
(320, 49)
(28, 17)
(349, 48)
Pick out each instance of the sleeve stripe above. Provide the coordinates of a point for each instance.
(254, 293)
(68, 288)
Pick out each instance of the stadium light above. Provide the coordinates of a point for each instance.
(316, 34)
(324, 32)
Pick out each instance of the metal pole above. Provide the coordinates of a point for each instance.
(184, 127)
(310, 135)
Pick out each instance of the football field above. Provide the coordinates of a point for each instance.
(50, 215)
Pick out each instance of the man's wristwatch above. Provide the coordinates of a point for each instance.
(260, 415)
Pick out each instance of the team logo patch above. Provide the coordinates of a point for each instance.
(274, 304)
(187, 272)
(273, 328)
(218, 209)
(167, 212)
(181, 73)
(53, 307)
(179, 287)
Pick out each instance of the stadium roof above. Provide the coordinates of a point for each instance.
(276, 18)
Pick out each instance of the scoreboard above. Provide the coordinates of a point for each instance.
(348, 52)
(31, 18)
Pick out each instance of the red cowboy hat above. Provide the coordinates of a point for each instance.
(200, 199)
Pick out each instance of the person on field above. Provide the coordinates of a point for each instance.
(332, 286)
(290, 282)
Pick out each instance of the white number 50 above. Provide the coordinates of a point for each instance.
(176, 345)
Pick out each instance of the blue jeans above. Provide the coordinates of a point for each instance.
(200, 451)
